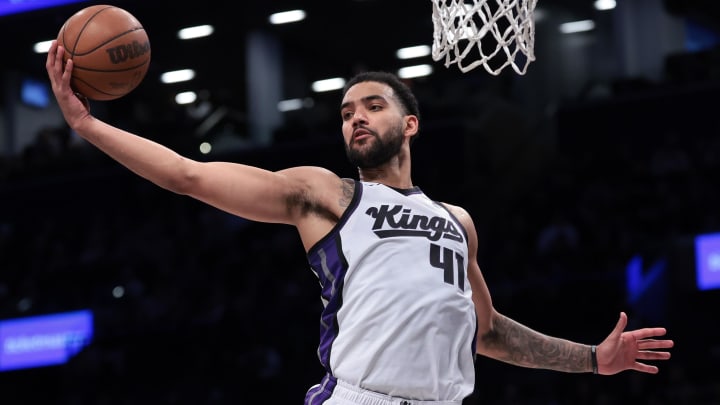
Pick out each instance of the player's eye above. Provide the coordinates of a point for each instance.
(346, 115)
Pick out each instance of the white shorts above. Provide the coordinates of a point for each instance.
(347, 394)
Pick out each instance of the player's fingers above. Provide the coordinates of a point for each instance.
(50, 60)
(652, 355)
(645, 333)
(67, 73)
(645, 368)
(57, 70)
(60, 70)
(621, 324)
(646, 344)
(54, 63)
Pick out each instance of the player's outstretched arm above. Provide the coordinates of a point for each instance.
(504, 339)
(514, 343)
(243, 190)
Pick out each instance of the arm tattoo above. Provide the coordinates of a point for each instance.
(301, 202)
(348, 191)
(517, 344)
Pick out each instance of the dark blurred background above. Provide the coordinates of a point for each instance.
(601, 163)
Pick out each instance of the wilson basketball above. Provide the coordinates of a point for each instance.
(110, 51)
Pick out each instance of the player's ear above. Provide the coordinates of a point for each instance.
(412, 125)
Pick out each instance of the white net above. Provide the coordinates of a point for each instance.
(491, 33)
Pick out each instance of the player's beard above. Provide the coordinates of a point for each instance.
(380, 151)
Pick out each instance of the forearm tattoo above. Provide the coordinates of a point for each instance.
(517, 344)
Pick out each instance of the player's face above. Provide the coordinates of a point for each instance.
(373, 125)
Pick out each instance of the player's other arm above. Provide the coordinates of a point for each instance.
(504, 339)
(243, 190)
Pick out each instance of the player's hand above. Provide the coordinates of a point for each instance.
(622, 351)
(74, 106)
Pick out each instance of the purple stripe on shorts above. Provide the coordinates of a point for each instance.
(321, 392)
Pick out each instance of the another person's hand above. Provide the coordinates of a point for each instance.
(74, 106)
(622, 350)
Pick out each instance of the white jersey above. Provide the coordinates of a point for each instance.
(398, 317)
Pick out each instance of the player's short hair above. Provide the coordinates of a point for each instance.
(404, 95)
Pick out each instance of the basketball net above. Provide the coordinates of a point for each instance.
(505, 27)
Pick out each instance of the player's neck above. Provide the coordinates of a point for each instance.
(390, 174)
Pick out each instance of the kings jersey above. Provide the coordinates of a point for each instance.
(398, 316)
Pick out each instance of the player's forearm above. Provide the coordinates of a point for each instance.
(146, 158)
(514, 343)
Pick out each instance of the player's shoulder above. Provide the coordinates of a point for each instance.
(459, 212)
(455, 209)
(312, 174)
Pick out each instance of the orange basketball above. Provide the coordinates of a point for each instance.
(110, 51)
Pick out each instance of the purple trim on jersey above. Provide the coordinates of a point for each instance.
(330, 266)
(328, 262)
(321, 392)
(473, 345)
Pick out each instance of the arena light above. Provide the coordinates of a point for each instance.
(290, 105)
(707, 261)
(335, 83)
(198, 31)
(186, 97)
(44, 340)
(19, 6)
(410, 72)
(577, 26)
(413, 52)
(42, 46)
(603, 5)
(286, 17)
(295, 104)
(177, 76)
(205, 148)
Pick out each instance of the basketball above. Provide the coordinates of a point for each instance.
(110, 51)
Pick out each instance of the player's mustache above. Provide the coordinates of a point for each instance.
(363, 129)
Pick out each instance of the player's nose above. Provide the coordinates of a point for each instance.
(359, 117)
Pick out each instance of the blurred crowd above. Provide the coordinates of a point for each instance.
(194, 306)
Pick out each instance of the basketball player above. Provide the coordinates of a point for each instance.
(406, 308)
